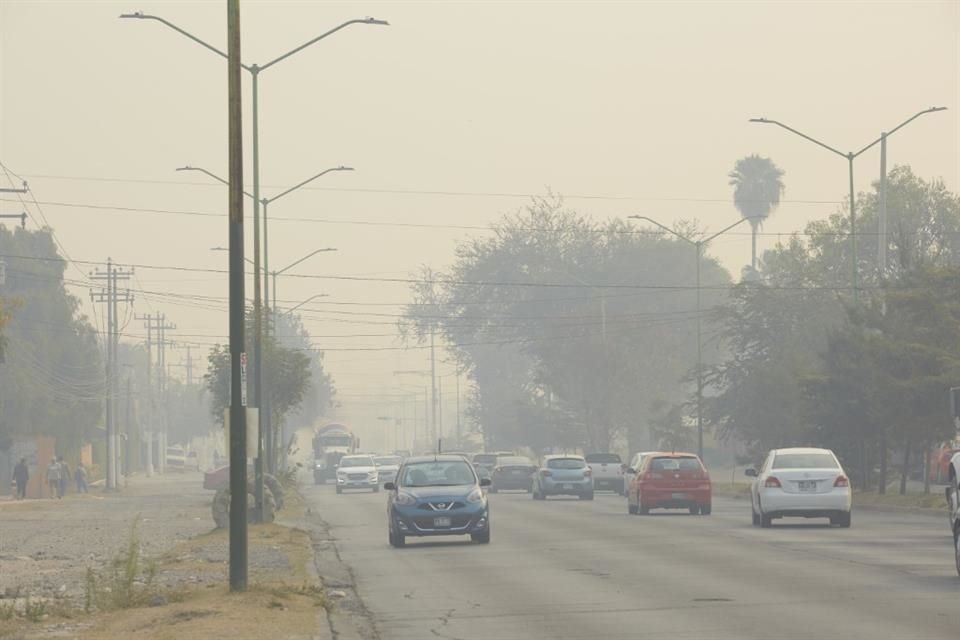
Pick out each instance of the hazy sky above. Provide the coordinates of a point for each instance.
(453, 115)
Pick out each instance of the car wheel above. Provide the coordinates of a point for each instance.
(643, 510)
(339, 490)
(631, 508)
(956, 548)
(706, 509)
(397, 539)
(694, 510)
(755, 519)
(482, 537)
(842, 520)
(765, 520)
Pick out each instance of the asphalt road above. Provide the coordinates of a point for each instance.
(586, 570)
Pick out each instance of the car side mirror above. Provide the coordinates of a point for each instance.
(485, 482)
(630, 470)
(389, 486)
(750, 473)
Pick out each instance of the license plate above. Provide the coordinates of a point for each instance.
(442, 522)
(567, 487)
(679, 496)
(808, 485)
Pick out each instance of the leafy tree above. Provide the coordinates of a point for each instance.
(321, 392)
(51, 382)
(757, 187)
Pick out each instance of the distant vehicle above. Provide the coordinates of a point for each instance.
(563, 475)
(802, 483)
(670, 481)
(607, 471)
(330, 443)
(940, 463)
(513, 473)
(635, 462)
(437, 495)
(387, 467)
(484, 463)
(176, 459)
(357, 472)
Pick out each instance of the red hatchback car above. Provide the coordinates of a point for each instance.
(670, 481)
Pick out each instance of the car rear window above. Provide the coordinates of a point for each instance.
(602, 458)
(675, 464)
(566, 463)
(805, 461)
(485, 458)
(515, 461)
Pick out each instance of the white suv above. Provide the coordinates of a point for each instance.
(357, 472)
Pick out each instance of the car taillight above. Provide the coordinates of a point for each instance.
(587, 472)
(772, 483)
(545, 473)
(841, 481)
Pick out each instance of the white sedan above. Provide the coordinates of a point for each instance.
(387, 467)
(357, 472)
(803, 483)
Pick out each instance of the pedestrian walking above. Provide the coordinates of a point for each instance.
(53, 478)
(21, 475)
(64, 476)
(80, 475)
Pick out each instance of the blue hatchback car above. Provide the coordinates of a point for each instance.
(437, 495)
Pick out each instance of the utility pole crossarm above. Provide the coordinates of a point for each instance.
(321, 37)
(802, 135)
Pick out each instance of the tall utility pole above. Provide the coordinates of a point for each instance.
(162, 326)
(111, 298)
(148, 433)
(238, 357)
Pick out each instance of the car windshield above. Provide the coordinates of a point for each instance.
(388, 461)
(439, 473)
(356, 462)
(805, 461)
(675, 464)
(603, 458)
(566, 463)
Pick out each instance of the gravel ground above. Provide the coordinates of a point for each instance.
(46, 546)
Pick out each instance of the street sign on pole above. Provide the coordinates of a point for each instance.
(243, 379)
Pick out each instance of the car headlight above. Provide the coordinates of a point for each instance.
(405, 499)
(475, 496)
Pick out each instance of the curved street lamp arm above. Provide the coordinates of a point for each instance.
(305, 182)
(802, 135)
(664, 227)
(311, 298)
(321, 37)
(309, 255)
(212, 175)
(724, 230)
(139, 15)
(900, 126)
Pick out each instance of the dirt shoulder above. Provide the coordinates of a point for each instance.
(93, 570)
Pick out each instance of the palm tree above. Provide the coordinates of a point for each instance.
(757, 189)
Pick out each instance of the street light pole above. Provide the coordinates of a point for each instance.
(851, 156)
(698, 246)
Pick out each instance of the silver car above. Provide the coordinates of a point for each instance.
(563, 475)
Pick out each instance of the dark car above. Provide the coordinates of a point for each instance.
(437, 495)
(513, 473)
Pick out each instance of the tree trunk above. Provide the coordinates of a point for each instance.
(905, 470)
(753, 244)
(882, 482)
